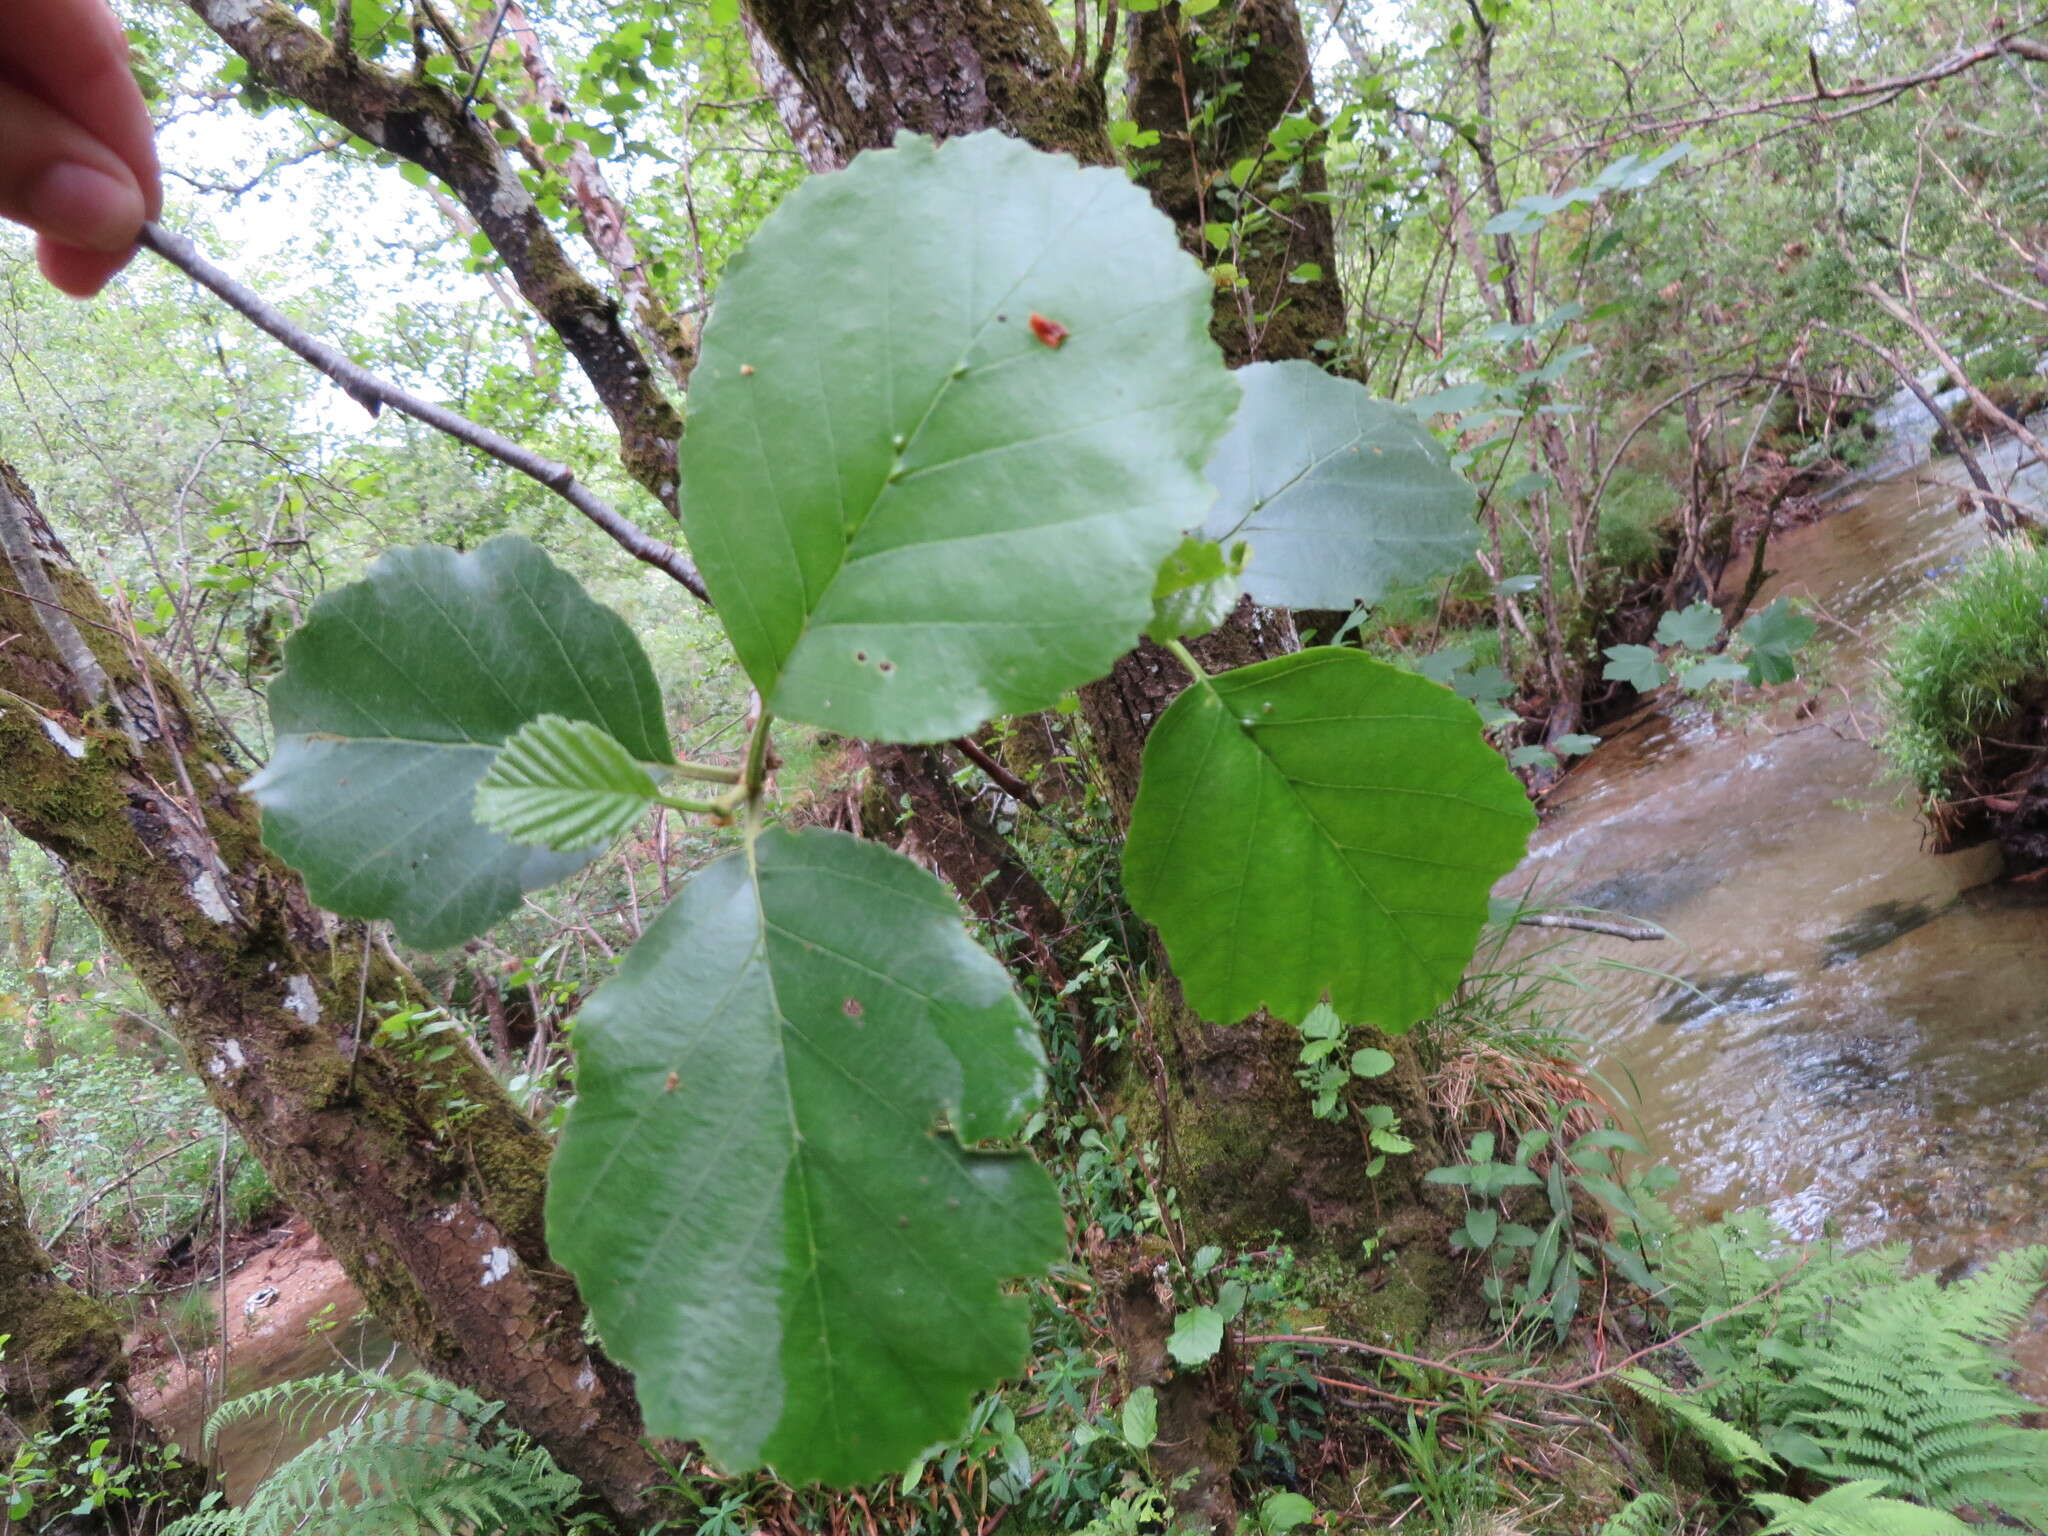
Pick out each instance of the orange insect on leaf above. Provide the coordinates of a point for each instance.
(1051, 332)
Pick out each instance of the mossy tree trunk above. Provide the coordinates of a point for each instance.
(426, 1186)
(58, 1342)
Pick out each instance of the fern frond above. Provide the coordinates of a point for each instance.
(1647, 1514)
(1855, 1509)
(412, 1456)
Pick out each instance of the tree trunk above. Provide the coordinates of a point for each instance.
(59, 1341)
(428, 1190)
(1252, 54)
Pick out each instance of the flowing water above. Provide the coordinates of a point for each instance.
(1859, 1036)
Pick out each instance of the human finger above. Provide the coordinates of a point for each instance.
(73, 56)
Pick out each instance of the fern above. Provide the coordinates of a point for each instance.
(1855, 1509)
(1853, 1370)
(1647, 1514)
(411, 1455)
(1906, 1392)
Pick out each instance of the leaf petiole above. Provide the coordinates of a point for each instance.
(704, 773)
(1187, 659)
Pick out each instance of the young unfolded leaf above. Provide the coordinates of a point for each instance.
(913, 511)
(395, 698)
(563, 784)
(1321, 824)
(1342, 496)
(1198, 585)
(766, 1189)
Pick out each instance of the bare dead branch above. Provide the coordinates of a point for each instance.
(373, 393)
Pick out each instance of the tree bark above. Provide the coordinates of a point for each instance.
(60, 1341)
(427, 1189)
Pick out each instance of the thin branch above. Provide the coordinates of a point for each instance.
(373, 393)
(1641, 933)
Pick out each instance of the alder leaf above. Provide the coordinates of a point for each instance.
(916, 502)
(1342, 497)
(397, 694)
(563, 784)
(1321, 824)
(767, 1189)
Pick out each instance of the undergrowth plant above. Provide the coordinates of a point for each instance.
(1957, 670)
(939, 468)
(405, 1455)
(1846, 1368)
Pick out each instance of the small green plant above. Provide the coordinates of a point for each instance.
(68, 1475)
(1957, 670)
(409, 1456)
(1536, 1271)
(1684, 650)
(1328, 1069)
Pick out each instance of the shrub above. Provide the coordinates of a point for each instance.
(1959, 667)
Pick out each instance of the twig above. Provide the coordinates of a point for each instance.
(108, 1188)
(1641, 933)
(1524, 1383)
(1005, 780)
(373, 393)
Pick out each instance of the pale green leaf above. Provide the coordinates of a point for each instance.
(1198, 585)
(563, 784)
(1140, 1419)
(1342, 497)
(397, 694)
(1695, 628)
(1281, 1512)
(767, 1190)
(1197, 1335)
(1371, 1062)
(1636, 665)
(1322, 823)
(914, 511)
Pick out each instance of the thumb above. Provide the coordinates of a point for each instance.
(75, 193)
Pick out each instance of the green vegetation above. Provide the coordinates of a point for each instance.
(1964, 666)
(409, 1456)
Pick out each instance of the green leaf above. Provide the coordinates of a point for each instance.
(1197, 1335)
(1332, 785)
(1575, 744)
(1197, 586)
(397, 694)
(766, 1188)
(1371, 1062)
(1695, 628)
(1775, 637)
(563, 784)
(1713, 669)
(1140, 1419)
(1636, 665)
(1481, 1226)
(1281, 1512)
(1343, 497)
(913, 512)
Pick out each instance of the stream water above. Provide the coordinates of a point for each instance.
(1859, 1039)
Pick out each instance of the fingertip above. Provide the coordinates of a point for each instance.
(91, 207)
(78, 272)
